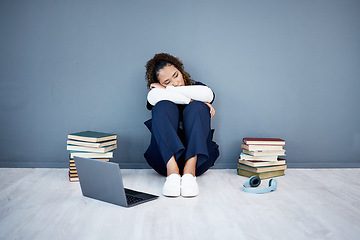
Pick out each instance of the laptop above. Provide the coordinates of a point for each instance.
(103, 181)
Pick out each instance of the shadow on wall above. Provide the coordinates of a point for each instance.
(128, 154)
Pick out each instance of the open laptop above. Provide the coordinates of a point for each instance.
(103, 181)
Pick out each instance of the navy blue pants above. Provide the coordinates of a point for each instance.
(183, 131)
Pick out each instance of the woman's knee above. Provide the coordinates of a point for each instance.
(165, 112)
(165, 105)
(197, 107)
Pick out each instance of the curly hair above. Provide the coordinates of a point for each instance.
(158, 62)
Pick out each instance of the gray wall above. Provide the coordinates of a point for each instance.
(288, 69)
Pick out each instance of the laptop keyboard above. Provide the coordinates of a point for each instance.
(132, 199)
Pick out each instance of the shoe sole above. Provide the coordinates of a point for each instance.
(189, 194)
(171, 194)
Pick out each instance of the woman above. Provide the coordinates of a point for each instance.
(181, 135)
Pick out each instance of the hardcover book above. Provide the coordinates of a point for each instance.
(91, 155)
(73, 179)
(280, 161)
(91, 149)
(244, 156)
(261, 175)
(89, 144)
(261, 169)
(264, 141)
(262, 147)
(72, 161)
(92, 136)
(93, 145)
(264, 153)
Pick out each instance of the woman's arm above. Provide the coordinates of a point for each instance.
(181, 95)
(195, 92)
(156, 95)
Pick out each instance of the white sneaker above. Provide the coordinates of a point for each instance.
(172, 185)
(189, 186)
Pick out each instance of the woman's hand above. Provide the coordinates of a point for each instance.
(212, 109)
(156, 85)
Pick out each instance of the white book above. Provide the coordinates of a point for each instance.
(91, 155)
(248, 157)
(91, 149)
(90, 144)
(262, 147)
(264, 153)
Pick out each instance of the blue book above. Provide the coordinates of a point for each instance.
(92, 136)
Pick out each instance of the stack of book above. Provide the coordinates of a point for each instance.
(261, 157)
(89, 144)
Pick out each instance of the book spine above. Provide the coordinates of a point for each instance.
(90, 149)
(91, 155)
(261, 163)
(261, 169)
(264, 153)
(245, 173)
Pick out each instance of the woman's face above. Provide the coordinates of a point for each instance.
(170, 76)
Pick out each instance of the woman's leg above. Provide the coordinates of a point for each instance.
(189, 186)
(165, 145)
(190, 166)
(172, 185)
(172, 166)
(199, 144)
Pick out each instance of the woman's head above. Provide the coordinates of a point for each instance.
(166, 70)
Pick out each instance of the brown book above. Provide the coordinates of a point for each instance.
(264, 141)
(73, 174)
(261, 175)
(73, 177)
(280, 161)
(100, 159)
(72, 165)
(262, 169)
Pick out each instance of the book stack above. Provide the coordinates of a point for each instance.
(89, 144)
(261, 157)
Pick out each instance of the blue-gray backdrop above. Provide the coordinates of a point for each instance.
(281, 68)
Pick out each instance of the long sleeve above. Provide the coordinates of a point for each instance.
(180, 95)
(197, 92)
(157, 94)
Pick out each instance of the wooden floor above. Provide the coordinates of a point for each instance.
(308, 204)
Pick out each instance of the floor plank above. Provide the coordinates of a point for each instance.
(308, 204)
